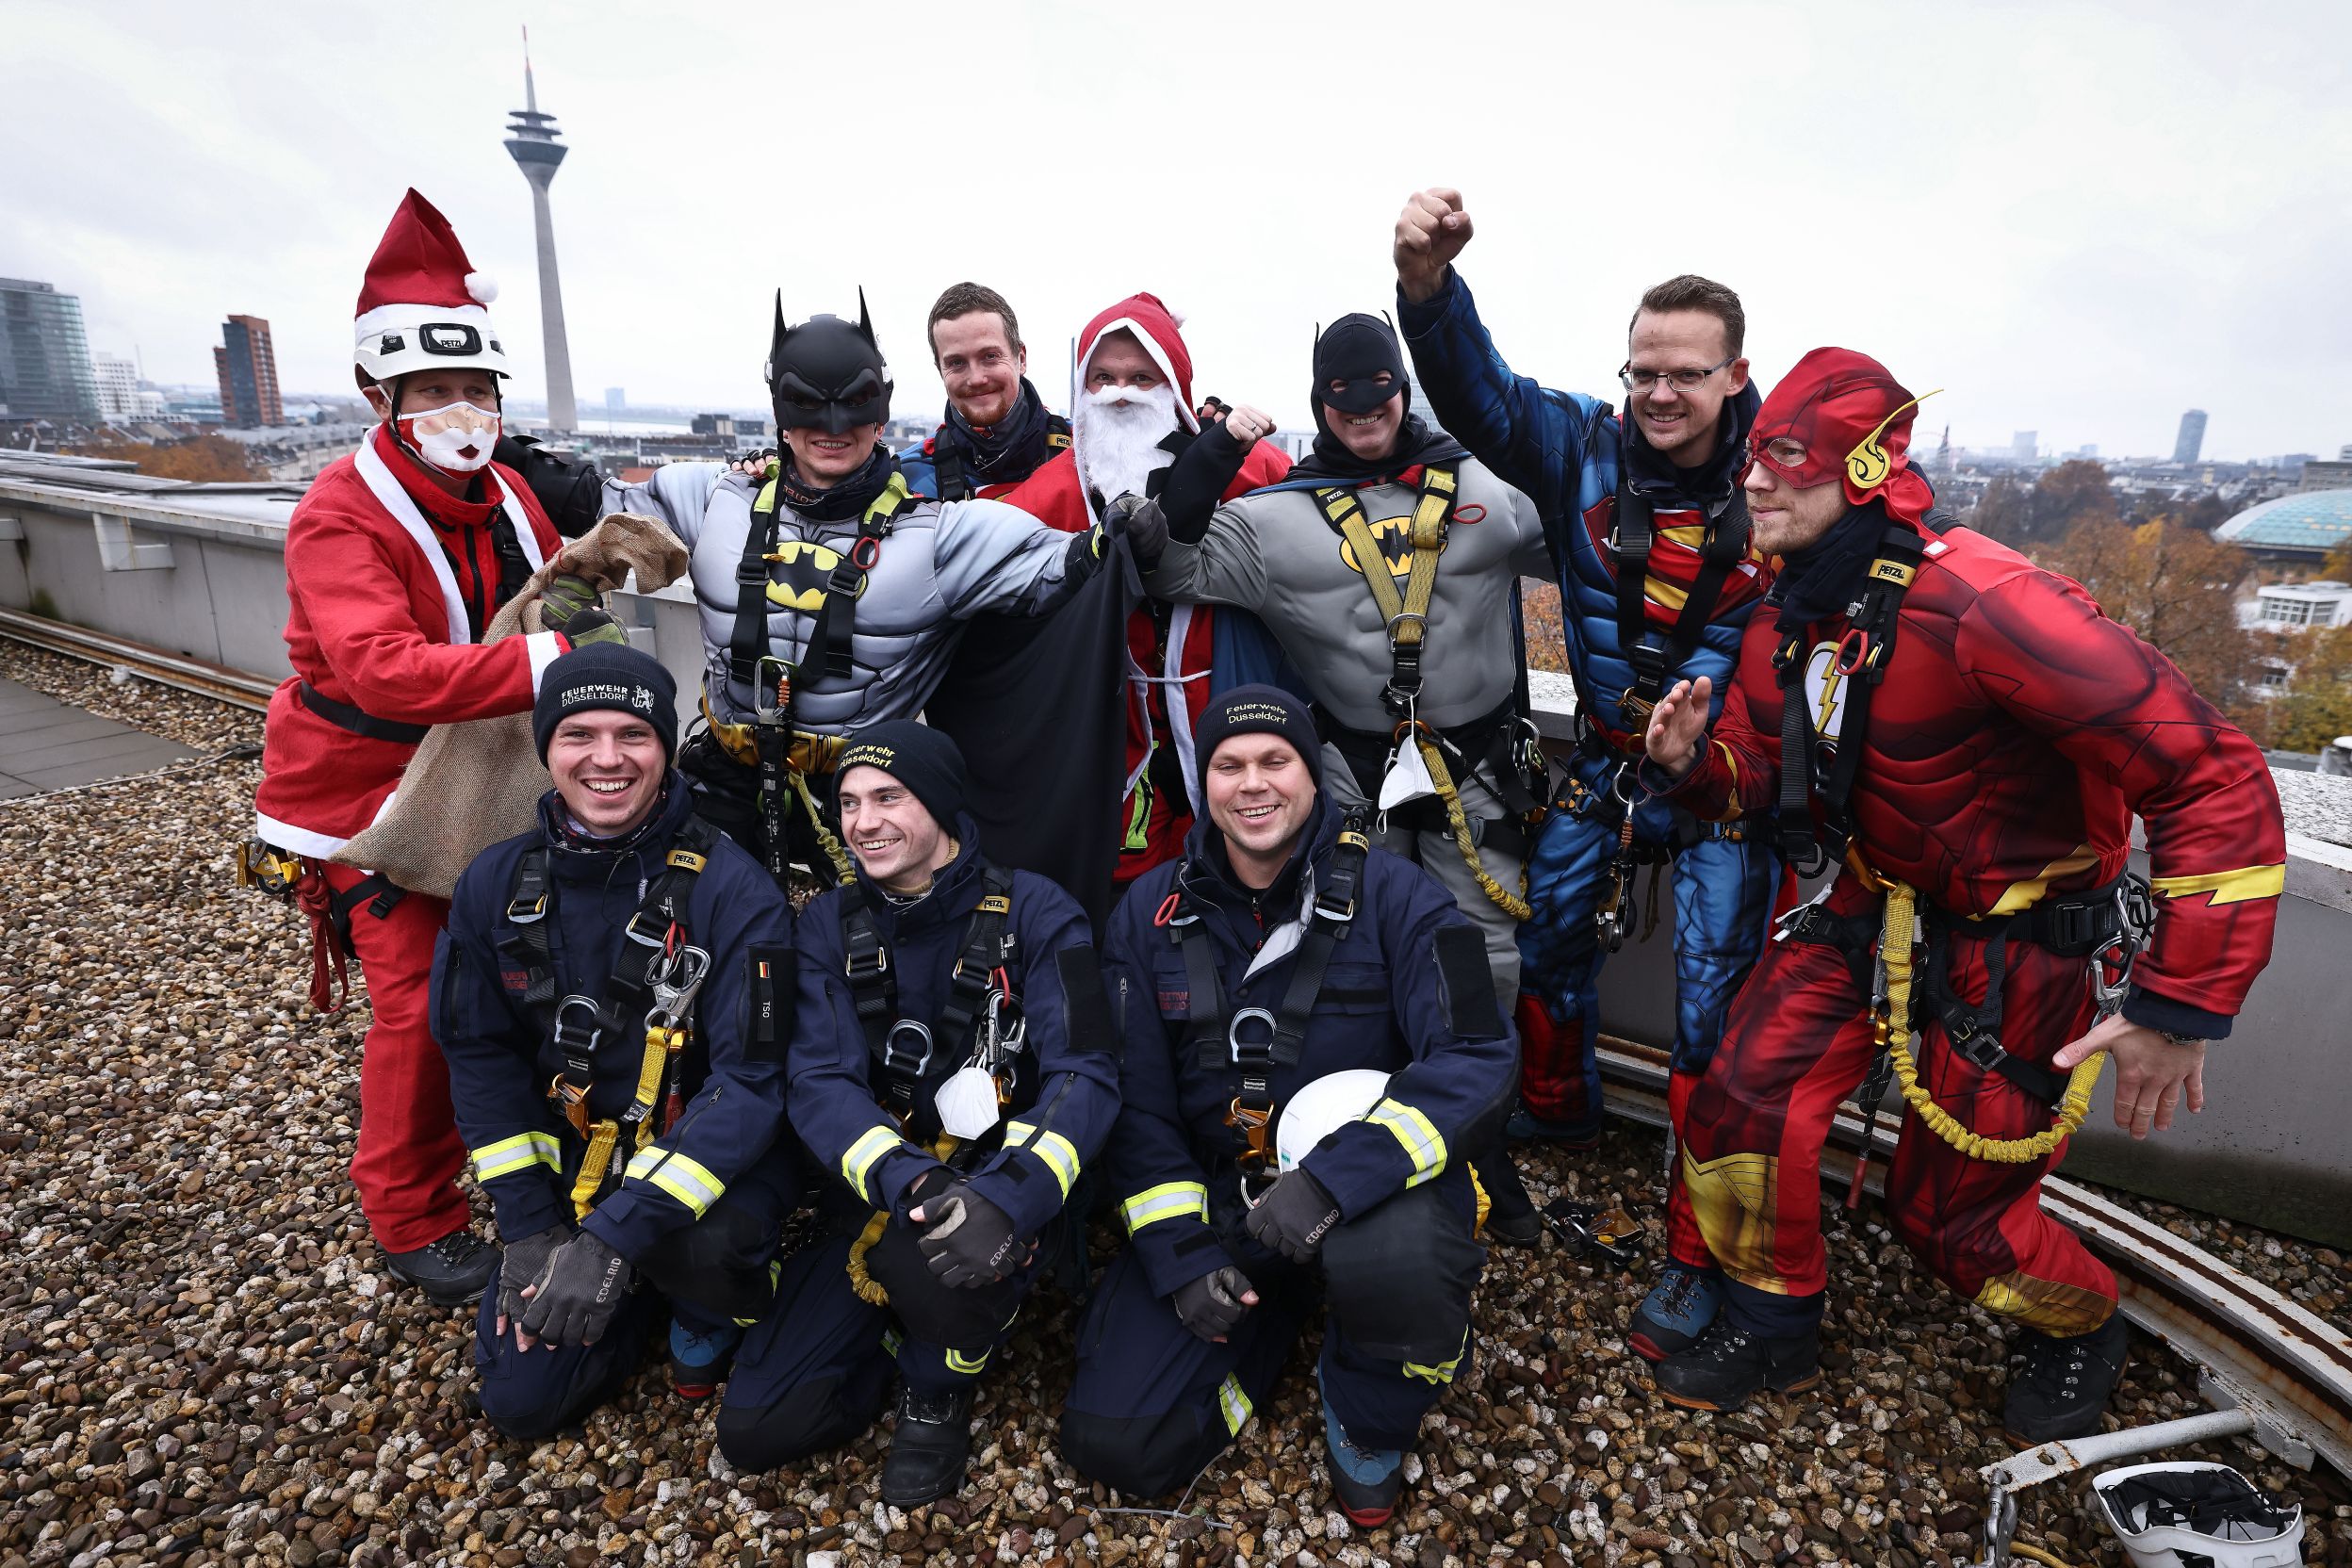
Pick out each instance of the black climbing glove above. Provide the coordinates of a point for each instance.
(1142, 524)
(576, 1292)
(1211, 1306)
(966, 1240)
(1195, 484)
(593, 626)
(524, 1261)
(1294, 1217)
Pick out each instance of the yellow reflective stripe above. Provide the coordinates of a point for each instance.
(2228, 887)
(1168, 1200)
(1059, 1154)
(519, 1152)
(1235, 1404)
(1422, 1142)
(863, 1155)
(968, 1365)
(688, 1181)
(1444, 1371)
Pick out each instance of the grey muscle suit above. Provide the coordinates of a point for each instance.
(1275, 553)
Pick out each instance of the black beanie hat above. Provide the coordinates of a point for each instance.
(606, 674)
(1256, 710)
(919, 756)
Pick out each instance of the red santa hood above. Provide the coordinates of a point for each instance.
(420, 282)
(1155, 327)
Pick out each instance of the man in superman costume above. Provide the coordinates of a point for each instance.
(1972, 737)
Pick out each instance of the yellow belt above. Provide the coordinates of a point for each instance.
(808, 754)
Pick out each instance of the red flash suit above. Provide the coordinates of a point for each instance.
(2016, 734)
(390, 580)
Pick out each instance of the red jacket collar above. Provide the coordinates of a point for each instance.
(445, 510)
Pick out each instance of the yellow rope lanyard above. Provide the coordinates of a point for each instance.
(1407, 617)
(862, 1281)
(1896, 951)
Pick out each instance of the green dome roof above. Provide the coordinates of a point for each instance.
(2316, 521)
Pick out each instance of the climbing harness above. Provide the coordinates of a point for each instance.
(656, 975)
(1253, 1042)
(1633, 531)
(302, 882)
(769, 743)
(972, 1022)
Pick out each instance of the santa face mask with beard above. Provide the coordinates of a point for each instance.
(1118, 431)
(456, 439)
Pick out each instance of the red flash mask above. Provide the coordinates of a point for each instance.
(1840, 414)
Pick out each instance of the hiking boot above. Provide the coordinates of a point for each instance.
(2062, 1390)
(1523, 1126)
(699, 1358)
(1365, 1480)
(452, 1272)
(1675, 1313)
(933, 1444)
(1727, 1364)
(1510, 1217)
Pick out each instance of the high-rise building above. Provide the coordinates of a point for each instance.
(248, 370)
(531, 139)
(2024, 445)
(2192, 437)
(45, 371)
(118, 386)
(616, 398)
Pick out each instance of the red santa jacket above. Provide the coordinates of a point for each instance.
(387, 579)
(2016, 734)
(1158, 661)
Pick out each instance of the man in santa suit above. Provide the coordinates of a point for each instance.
(396, 561)
(1130, 416)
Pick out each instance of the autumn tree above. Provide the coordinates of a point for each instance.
(2174, 586)
(205, 459)
(1546, 637)
(2000, 512)
(2315, 706)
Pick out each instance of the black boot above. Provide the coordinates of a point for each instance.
(1727, 1364)
(2062, 1390)
(933, 1444)
(451, 1272)
(1510, 1217)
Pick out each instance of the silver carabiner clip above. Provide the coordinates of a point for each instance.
(675, 983)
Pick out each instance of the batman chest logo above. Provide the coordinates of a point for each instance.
(800, 574)
(1395, 537)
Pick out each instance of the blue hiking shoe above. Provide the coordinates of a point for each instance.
(1365, 1480)
(1676, 1312)
(1525, 1126)
(699, 1358)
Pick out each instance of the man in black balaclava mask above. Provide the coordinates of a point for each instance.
(1384, 489)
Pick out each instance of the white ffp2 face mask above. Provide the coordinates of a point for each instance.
(456, 439)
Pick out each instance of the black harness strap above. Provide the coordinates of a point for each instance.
(1654, 660)
(952, 484)
(907, 1049)
(748, 638)
(829, 640)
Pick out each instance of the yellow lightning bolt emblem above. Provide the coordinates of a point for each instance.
(1830, 683)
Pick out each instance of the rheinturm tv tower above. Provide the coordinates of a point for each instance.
(532, 141)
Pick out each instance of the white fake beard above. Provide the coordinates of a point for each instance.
(456, 439)
(1118, 431)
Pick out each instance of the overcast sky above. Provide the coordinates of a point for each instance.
(2077, 219)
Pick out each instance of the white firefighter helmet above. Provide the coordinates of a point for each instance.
(1322, 1106)
(2181, 1512)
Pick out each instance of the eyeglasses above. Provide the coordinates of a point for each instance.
(1682, 380)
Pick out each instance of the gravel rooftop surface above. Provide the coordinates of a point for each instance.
(203, 1361)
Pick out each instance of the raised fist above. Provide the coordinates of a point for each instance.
(1431, 233)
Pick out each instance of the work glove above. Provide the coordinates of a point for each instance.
(593, 626)
(1211, 1306)
(1195, 483)
(524, 1261)
(1142, 524)
(1294, 1217)
(576, 1292)
(966, 1240)
(565, 598)
(935, 1179)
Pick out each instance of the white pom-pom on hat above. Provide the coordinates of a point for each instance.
(1174, 314)
(482, 286)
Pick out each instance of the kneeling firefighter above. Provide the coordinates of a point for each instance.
(614, 994)
(1283, 949)
(953, 1064)
(832, 598)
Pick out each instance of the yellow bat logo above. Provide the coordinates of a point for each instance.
(805, 568)
(1395, 537)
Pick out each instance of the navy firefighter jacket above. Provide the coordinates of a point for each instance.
(1408, 991)
(1065, 1090)
(502, 1057)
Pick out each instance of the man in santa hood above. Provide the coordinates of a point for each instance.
(396, 560)
(1130, 416)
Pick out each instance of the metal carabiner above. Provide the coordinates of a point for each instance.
(1233, 1032)
(675, 983)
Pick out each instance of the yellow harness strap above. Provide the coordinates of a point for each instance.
(605, 1135)
(1895, 951)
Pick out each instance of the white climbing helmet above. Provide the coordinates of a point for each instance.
(2171, 1514)
(1324, 1106)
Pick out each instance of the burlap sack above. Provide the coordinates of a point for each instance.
(471, 784)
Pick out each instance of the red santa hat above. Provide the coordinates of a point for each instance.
(1154, 326)
(420, 305)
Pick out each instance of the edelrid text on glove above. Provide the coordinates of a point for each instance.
(1294, 1217)
(966, 1239)
(576, 1294)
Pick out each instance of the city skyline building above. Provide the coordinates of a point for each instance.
(45, 371)
(246, 367)
(616, 398)
(2191, 440)
(2024, 445)
(533, 142)
(118, 386)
